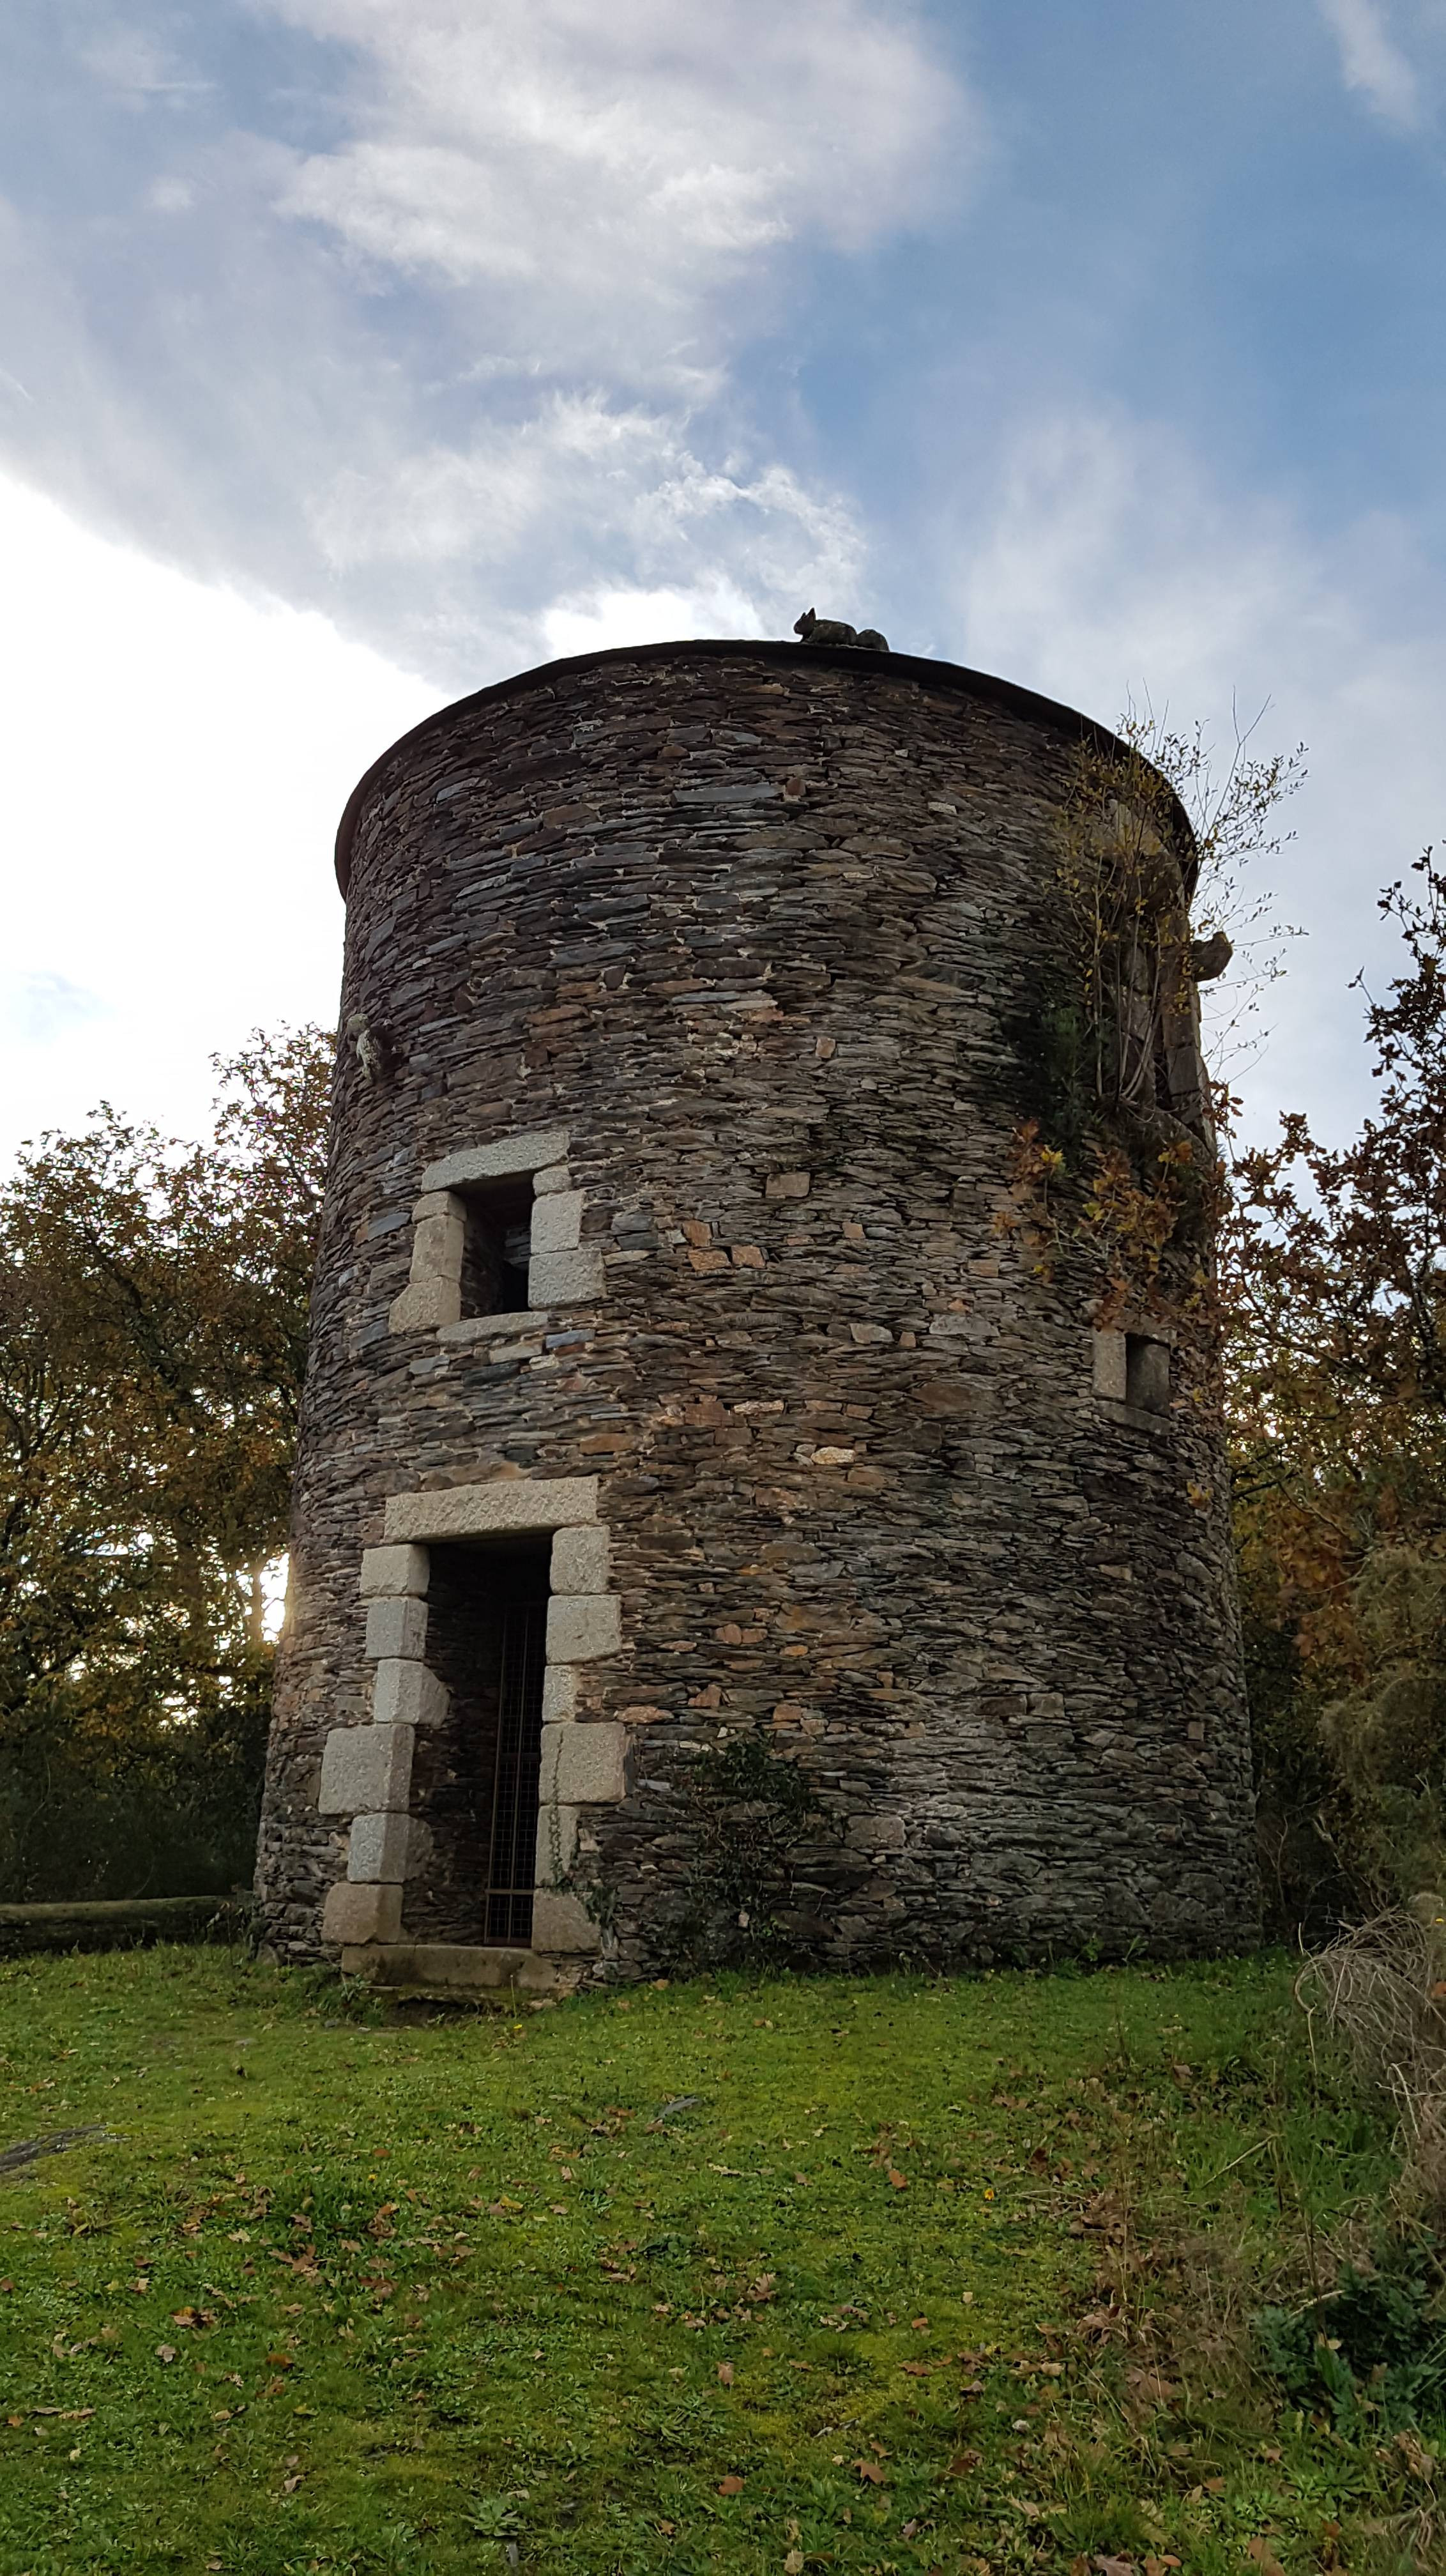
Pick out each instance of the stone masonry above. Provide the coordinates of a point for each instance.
(710, 963)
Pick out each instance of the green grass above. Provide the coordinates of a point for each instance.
(448, 2292)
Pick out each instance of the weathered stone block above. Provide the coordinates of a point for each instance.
(562, 1924)
(407, 1694)
(422, 1308)
(582, 1625)
(356, 1914)
(556, 1843)
(878, 1833)
(451, 1967)
(1109, 1366)
(509, 1158)
(559, 1694)
(490, 1328)
(555, 1177)
(483, 1511)
(365, 1769)
(582, 1765)
(557, 1222)
(437, 1247)
(396, 1628)
(565, 1278)
(580, 1560)
(378, 1847)
(389, 1572)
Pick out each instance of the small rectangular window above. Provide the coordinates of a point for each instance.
(497, 1249)
(1147, 1373)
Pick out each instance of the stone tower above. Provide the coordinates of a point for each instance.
(674, 1382)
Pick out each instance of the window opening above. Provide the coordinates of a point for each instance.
(496, 1249)
(476, 1777)
(1147, 1373)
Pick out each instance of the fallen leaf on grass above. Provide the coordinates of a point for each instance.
(193, 2316)
(165, 2352)
(871, 2470)
(730, 2485)
(900, 2182)
(725, 2373)
(793, 2563)
(1263, 2556)
(282, 2360)
(964, 2463)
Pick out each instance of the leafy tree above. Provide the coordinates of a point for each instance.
(1335, 1293)
(153, 1302)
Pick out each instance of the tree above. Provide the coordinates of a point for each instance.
(1335, 1292)
(153, 1302)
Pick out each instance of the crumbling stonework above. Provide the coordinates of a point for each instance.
(723, 954)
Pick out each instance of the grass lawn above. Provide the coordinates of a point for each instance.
(441, 2292)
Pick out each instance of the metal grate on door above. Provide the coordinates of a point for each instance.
(512, 1843)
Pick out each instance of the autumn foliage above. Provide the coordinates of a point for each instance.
(1334, 1296)
(153, 1302)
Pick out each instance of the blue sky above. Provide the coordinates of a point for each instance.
(355, 352)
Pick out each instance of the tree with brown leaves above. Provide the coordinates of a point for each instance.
(153, 1302)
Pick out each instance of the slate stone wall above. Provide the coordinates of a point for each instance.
(762, 928)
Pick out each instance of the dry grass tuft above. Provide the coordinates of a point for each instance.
(1381, 1993)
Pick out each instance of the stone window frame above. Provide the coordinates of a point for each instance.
(559, 1271)
(366, 1770)
(1112, 1371)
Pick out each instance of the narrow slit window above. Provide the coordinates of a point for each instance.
(1147, 1373)
(497, 1249)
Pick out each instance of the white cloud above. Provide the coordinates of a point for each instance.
(1372, 61)
(127, 60)
(1114, 566)
(586, 497)
(598, 620)
(176, 762)
(623, 162)
(481, 348)
(41, 1007)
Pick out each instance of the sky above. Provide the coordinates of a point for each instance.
(355, 353)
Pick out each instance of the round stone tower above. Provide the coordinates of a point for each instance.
(683, 1379)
